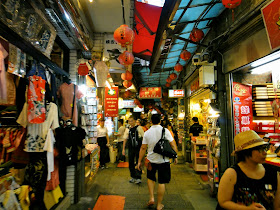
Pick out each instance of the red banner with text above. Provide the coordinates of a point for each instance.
(111, 102)
(242, 107)
(150, 92)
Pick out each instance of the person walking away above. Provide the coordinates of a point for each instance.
(120, 136)
(249, 184)
(157, 163)
(196, 128)
(134, 142)
(103, 142)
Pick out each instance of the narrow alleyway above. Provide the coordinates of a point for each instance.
(185, 191)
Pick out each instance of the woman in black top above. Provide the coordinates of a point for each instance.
(250, 184)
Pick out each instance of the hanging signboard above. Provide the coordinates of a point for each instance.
(270, 14)
(242, 107)
(179, 93)
(128, 104)
(150, 92)
(111, 102)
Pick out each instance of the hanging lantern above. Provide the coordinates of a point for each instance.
(178, 67)
(127, 75)
(127, 83)
(173, 76)
(165, 94)
(140, 106)
(83, 69)
(185, 55)
(196, 35)
(124, 35)
(127, 94)
(231, 4)
(168, 80)
(137, 102)
(167, 85)
(126, 58)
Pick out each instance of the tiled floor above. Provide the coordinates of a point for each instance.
(185, 191)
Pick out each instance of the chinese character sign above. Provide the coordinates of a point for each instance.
(242, 107)
(150, 92)
(111, 102)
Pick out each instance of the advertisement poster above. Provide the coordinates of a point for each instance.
(111, 102)
(150, 92)
(271, 15)
(242, 107)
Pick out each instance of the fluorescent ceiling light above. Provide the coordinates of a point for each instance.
(266, 68)
(266, 59)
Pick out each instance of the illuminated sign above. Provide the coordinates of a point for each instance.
(138, 109)
(128, 104)
(179, 93)
(150, 92)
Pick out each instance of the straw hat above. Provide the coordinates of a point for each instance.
(247, 140)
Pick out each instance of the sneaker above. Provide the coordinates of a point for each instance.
(102, 167)
(137, 181)
(106, 167)
(132, 180)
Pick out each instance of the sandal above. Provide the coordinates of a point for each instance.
(150, 203)
(162, 207)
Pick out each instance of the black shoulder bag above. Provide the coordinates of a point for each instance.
(163, 147)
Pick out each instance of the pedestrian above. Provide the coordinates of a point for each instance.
(249, 184)
(120, 135)
(157, 163)
(103, 142)
(134, 142)
(196, 128)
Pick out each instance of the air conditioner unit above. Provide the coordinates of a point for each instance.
(206, 76)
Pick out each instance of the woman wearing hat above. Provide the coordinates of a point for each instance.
(249, 184)
(103, 142)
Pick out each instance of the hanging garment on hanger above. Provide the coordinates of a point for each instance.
(66, 93)
(37, 133)
(3, 87)
(36, 100)
(50, 140)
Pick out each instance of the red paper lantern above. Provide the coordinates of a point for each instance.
(196, 35)
(140, 106)
(137, 102)
(127, 83)
(168, 80)
(178, 67)
(173, 76)
(127, 75)
(83, 69)
(167, 85)
(124, 35)
(231, 4)
(127, 94)
(126, 58)
(185, 55)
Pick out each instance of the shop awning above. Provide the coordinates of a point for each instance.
(146, 19)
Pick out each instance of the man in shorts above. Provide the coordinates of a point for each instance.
(156, 161)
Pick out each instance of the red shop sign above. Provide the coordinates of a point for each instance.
(242, 107)
(150, 92)
(111, 102)
(271, 14)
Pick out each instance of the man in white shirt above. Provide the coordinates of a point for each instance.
(157, 161)
(120, 135)
(134, 142)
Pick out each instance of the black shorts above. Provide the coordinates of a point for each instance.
(164, 172)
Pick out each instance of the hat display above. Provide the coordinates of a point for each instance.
(247, 140)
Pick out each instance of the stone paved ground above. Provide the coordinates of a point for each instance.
(185, 191)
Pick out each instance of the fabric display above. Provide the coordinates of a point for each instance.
(66, 93)
(3, 87)
(17, 61)
(37, 133)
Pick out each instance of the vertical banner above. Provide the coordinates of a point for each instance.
(242, 107)
(111, 102)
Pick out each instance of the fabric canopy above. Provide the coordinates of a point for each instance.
(146, 19)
